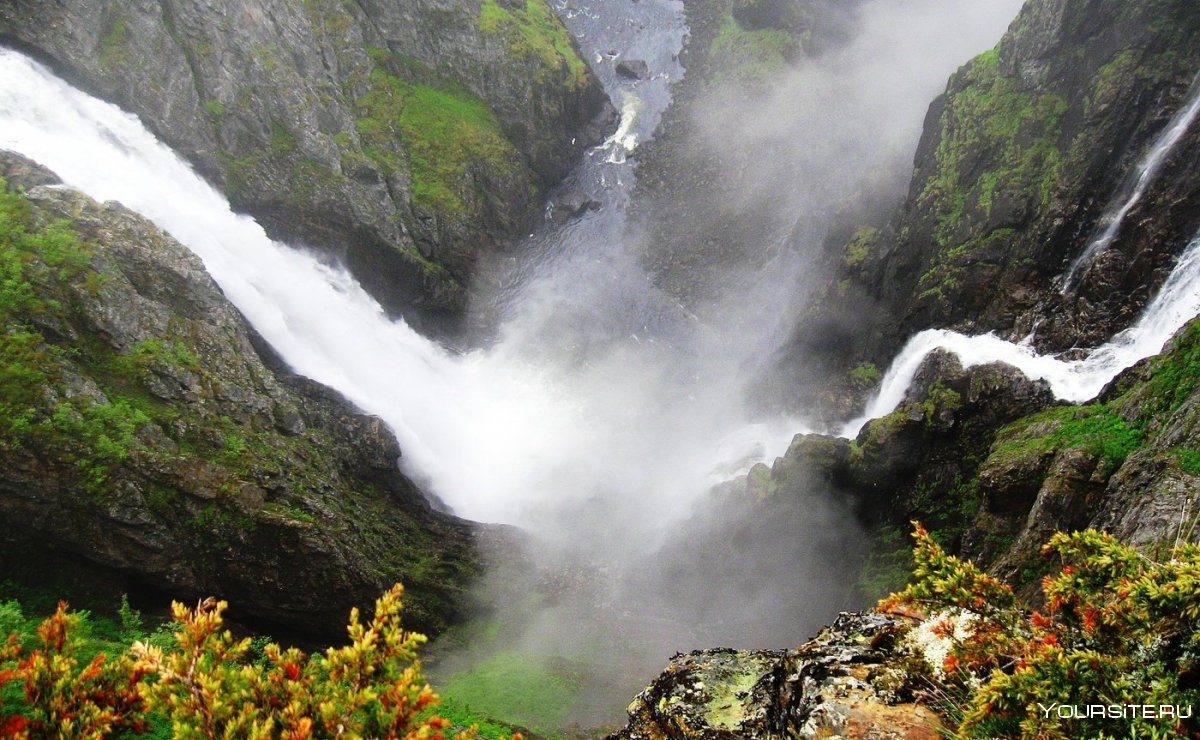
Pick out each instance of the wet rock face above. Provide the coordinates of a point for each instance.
(633, 69)
(1094, 88)
(1019, 160)
(160, 452)
(932, 442)
(403, 137)
(856, 679)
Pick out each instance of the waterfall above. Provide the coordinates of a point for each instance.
(1131, 194)
(603, 414)
(498, 435)
(1071, 380)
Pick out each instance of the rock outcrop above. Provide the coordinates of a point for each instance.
(150, 443)
(984, 457)
(990, 461)
(402, 137)
(856, 679)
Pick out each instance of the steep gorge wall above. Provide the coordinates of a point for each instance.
(150, 443)
(1018, 163)
(403, 137)
(705, 207)
(1019, 160)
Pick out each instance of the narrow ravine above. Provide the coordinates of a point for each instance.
(598, 415)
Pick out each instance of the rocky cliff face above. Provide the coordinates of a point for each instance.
(150, 442)
(403, 137)
(1019, 161)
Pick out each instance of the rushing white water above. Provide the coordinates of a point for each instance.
(1129, 196)
(493, 435)
(1071, 380)
(604, 412)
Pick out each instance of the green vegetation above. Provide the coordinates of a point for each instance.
(293, 513)
(461, 716)
(1189, 460)
(1111, 76)
(240, 169)
(860, 246)
(888, 567)
(92, 430)
(940, 400)
(214, 108)
(535, 31)
(447, 132)
(1115, 628)
(1114, 430)
(752, 55)
(865, 372)
(987, 115)
(114, 51)
(37, 264)
(282, 140)
(1096, 429)
(1172, 378)
(148, 354)
(518, 687)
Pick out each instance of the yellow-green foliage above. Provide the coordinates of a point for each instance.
(535, 31)
(1117, 629)
(207, 684)
(446, 131)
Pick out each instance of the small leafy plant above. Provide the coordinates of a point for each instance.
(65, 699)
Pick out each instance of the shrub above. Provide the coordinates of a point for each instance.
(63, 700)
(209, 684)
(1117, 629)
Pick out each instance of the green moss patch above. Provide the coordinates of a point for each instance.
(753, 55)
(448, 134)
(534, 31)
(517, 687)
(1096, 429)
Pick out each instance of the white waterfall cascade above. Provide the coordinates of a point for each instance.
(1071, 380)
(496, 436)
(1147, 172)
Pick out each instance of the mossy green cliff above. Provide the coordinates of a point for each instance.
(149, 440)
(404, 137)
(1019, 160)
